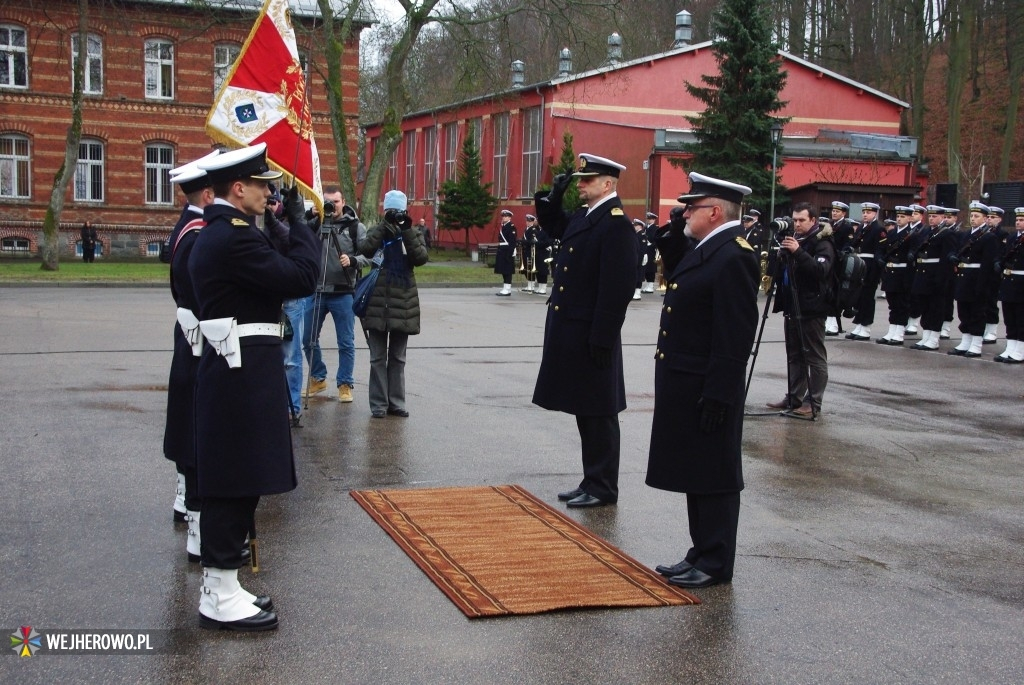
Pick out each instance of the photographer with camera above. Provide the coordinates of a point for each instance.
(341, 235)
(804, 277)
(393, 313)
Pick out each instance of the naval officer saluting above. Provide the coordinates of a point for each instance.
(243, 437)
(581, 364)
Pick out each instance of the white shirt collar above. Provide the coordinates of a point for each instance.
(600, 202)
(727, 224)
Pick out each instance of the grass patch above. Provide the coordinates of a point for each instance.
(455, 268)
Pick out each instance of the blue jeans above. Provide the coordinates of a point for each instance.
(340, 307)
(295, 310)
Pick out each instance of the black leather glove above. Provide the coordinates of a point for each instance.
(911, 257)
(998, 266)
(953, 258)
(404, 221)
(676, 220)
(712, 414)
(274, 228)
(559, 184)
(294, 208)
(601, 356)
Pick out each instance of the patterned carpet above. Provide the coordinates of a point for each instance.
(499, 550)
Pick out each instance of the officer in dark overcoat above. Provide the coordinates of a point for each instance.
(581, 366)
(708, 324)
(867, 244)
(179, 429)
(505, 257)
(933, 275)
(975, 277)
(243, 433)
(897, 277)
(1011, 292)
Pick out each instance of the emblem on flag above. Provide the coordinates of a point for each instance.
(263, 100)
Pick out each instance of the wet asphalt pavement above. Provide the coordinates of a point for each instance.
(883, 543)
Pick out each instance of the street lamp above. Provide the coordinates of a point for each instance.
(776, 132)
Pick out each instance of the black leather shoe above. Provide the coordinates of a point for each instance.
(971, 355)
(696, 578)
(570, 494)
(586, 500)
(265, 620)
(851, 336)
(887, 341)
(264, 603)
(377, 414)
(398, 412)
(957, 353)
(675, 569)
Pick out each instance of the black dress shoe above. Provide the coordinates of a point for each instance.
(971, 355)
(957, 353)
(851, 336)
(570, 494)
(398, 412)
(265, 620)
(264, 603)
(377, 414)
(586, 500)
(695, 578)
(675, 569)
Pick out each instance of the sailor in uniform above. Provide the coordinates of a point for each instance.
(1011, 293)
(975, 273)
(867, 243)
(642, 248)
(932, 275)
(842, 236)
(896, 276)
(505, 257)
(243, 431)
(581, 364)
(651, 263)
(995, 225)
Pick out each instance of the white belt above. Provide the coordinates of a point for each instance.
(932, 260)
(865, 255)
(965, 265)
(247, 329)
(1008, 272)
(900, 265)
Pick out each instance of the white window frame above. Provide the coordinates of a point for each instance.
(159, 160)
(93, 63)
(15, 244)
(410, 164)
(159, 70)
(451, 151)
(500, 123)
(15, 167)
(532, 142)
(90, 171)
(11, 67)
(429, 163)
(224, 56)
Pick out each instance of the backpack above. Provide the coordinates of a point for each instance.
(847, 280)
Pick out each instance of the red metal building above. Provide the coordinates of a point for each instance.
(840, 131)
(152, 71)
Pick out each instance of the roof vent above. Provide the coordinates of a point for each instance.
(565, 62)
(614, 48)
(684, 29)
(518, 73)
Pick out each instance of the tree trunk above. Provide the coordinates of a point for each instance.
(1015, 68)
(50, 249)
(956, 79)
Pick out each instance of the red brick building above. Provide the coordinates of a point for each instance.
(840, 132)
(152, 70)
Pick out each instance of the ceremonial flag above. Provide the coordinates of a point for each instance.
(263, 100)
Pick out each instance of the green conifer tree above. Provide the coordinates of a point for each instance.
(734, 131)
(566, 165)
(467, 202)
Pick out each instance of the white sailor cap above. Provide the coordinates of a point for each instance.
(754, 213)
(870, 206)
(191, 178)
(936, 209)
(1019, 211)
(531, 217)
(921, 209)
(836, 204)
(246, 162)
(952, 210)
(592, 165)
(705, 186)
(652, 215)
(995, 211)
(506, 212)
(194, 163)
(639, 222)
(904, 209)
(748, 217)
(979, 207)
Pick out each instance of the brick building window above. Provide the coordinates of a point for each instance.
(89, 171)
(224, 56)
(451, 151)
(159, 68)
(15, 245)
(500, 177)
(531, 150)
(93, 63)
(430, 163)
(393, 170)
(14, 165)
(153, 248)
(159, 162)
(13, 57)
(410, 164)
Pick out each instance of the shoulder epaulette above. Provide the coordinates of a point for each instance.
(235, 221)
(617, 212)
(743, 243)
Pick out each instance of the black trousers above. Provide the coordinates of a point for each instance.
(1013, 315)
(714, 520)
(223, 525)
(899, 307)
(972, 316)
(866, 300)
(933, 312)
(599, 437)
(193, 502)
